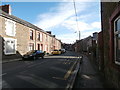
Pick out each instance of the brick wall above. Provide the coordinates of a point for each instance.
(112, 73)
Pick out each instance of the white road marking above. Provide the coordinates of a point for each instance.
(36, 64)
(58, 78)
(3, 74)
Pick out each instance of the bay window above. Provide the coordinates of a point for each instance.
(10, 46)
(117, 40)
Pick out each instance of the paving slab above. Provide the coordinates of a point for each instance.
(88, 76)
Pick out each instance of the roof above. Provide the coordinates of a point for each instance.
(18, 20)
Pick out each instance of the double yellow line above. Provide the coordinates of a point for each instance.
(69, 71)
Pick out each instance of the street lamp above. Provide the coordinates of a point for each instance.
(79, 34)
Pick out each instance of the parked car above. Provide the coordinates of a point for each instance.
(62, 50)
(56, 52)
(34, 54)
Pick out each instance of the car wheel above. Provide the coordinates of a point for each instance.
(34, 58)
(23, 59)
(42, 57)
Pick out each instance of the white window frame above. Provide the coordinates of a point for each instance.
(115, 33)
(46, 47)
(38, 36)
(5, 45)
(46, 37)
(31, 48)
(31, 32)
(7, 27)
(41, 37)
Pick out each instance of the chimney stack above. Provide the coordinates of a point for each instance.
(6, 8)
(53, 35)
(48, 32)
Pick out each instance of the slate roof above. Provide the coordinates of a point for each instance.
(18, 20)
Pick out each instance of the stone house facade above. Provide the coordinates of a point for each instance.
(110, 17)
(19, 36)
(83, 45)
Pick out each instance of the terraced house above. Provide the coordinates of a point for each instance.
(19, 36)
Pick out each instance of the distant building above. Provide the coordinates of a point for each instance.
(95, 37)
(83, 45)
(19, 36)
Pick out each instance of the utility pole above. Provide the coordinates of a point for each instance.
(76, 17)
(79, 35)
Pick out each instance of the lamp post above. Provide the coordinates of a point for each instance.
(79, 34)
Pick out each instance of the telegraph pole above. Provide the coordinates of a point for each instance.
(79, 35)
(76, 17)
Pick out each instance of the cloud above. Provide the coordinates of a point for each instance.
(63, 15)
(96, 25)
(67, 38)
(72, 37)
(81, 26)
(57, 15)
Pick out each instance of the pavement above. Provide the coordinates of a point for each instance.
(88, 76)
(12, 60)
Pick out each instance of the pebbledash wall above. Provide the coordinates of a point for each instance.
(19, 36)
(110, 13)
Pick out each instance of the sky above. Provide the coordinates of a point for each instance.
(60, 18)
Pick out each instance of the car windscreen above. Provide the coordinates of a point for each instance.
(30, 52)
(55, 50)
(39, 51)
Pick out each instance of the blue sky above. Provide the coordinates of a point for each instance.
(59, 17)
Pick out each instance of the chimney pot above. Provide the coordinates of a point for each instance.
(6, 8)
(48, 32)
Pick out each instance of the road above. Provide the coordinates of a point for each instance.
(51, 72)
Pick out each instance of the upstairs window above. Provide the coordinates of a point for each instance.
(46, 38)
(117, 40)
(38, 36)
(31, 34)
(10, 27)
(41, 37)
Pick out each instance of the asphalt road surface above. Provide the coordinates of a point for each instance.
(51, 72)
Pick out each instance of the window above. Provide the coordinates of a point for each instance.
(38, 36)
(38, 46)
(41, 36)
(31, 46)
(41, 47)
(45, 47)
(10, 27)
(46, 37)
(31, 34)
(117, 40)
(10, 46)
